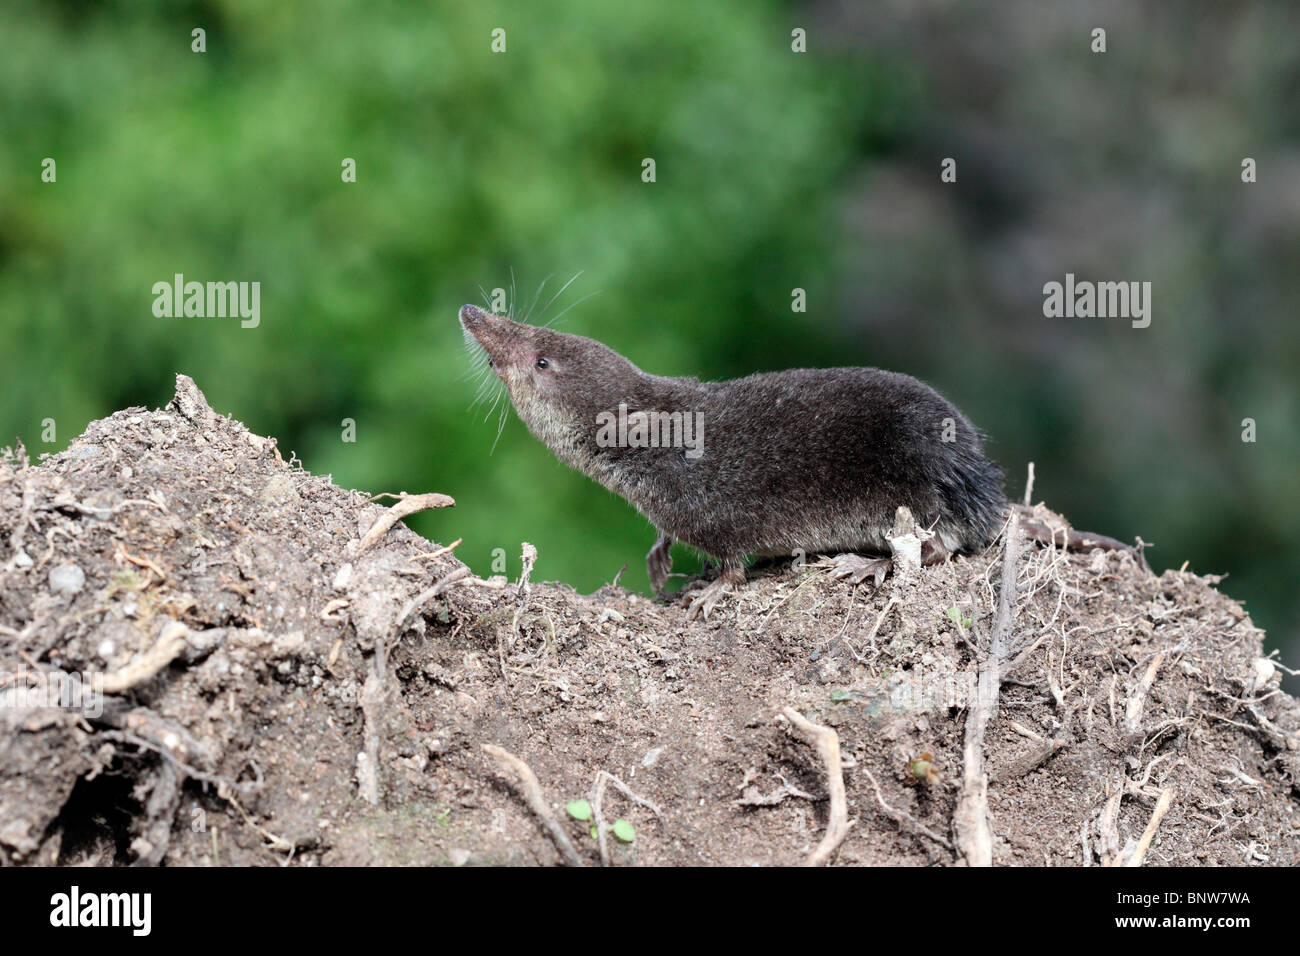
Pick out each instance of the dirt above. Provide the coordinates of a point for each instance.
(266, 702)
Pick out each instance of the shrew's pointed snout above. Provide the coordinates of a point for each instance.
(497, 335)
(471, 316)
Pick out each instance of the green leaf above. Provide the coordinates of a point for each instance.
(579, 810)
(623, 831)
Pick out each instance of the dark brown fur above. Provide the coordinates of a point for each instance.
(812, 460)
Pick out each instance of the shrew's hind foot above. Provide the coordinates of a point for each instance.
(702, 604)
(855, 569)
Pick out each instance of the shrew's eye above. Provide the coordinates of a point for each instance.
(542, 363)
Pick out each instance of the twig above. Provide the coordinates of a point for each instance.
(536, 802)
(1042, 751)
(871, 638)
(439, 553)
(1108, 824)
(1269, 725)
(428, 594)
(598, 818)
(528, 557)
(1133, 709)
(406, 506)
(226, 788)
(1282, 667)
(1029, 485)
(631, 794)
(827, 743)
(273, 841)
(1162, 807)
(903, 817)
(971, 818)
(1023, 656)
(169, 646)
(597, 802)
(147, 738)
(69, 504)
(374, 698)
(160, 810)
(142, 562)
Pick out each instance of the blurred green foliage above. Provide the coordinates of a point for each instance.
(775, 171)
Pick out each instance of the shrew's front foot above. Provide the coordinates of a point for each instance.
(658, 562)
(732, 576)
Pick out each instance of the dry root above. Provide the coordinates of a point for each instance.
(532, 791)
(827, 743)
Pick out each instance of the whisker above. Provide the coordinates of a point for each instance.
(568, 307)
(533, 304)
(491, 410)
(501, 427)
(559, 293)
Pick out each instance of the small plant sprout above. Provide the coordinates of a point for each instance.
(581, 811)
(623, 831)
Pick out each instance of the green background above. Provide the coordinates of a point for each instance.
(775, 170)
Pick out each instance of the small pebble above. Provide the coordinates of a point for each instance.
(67, 579)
